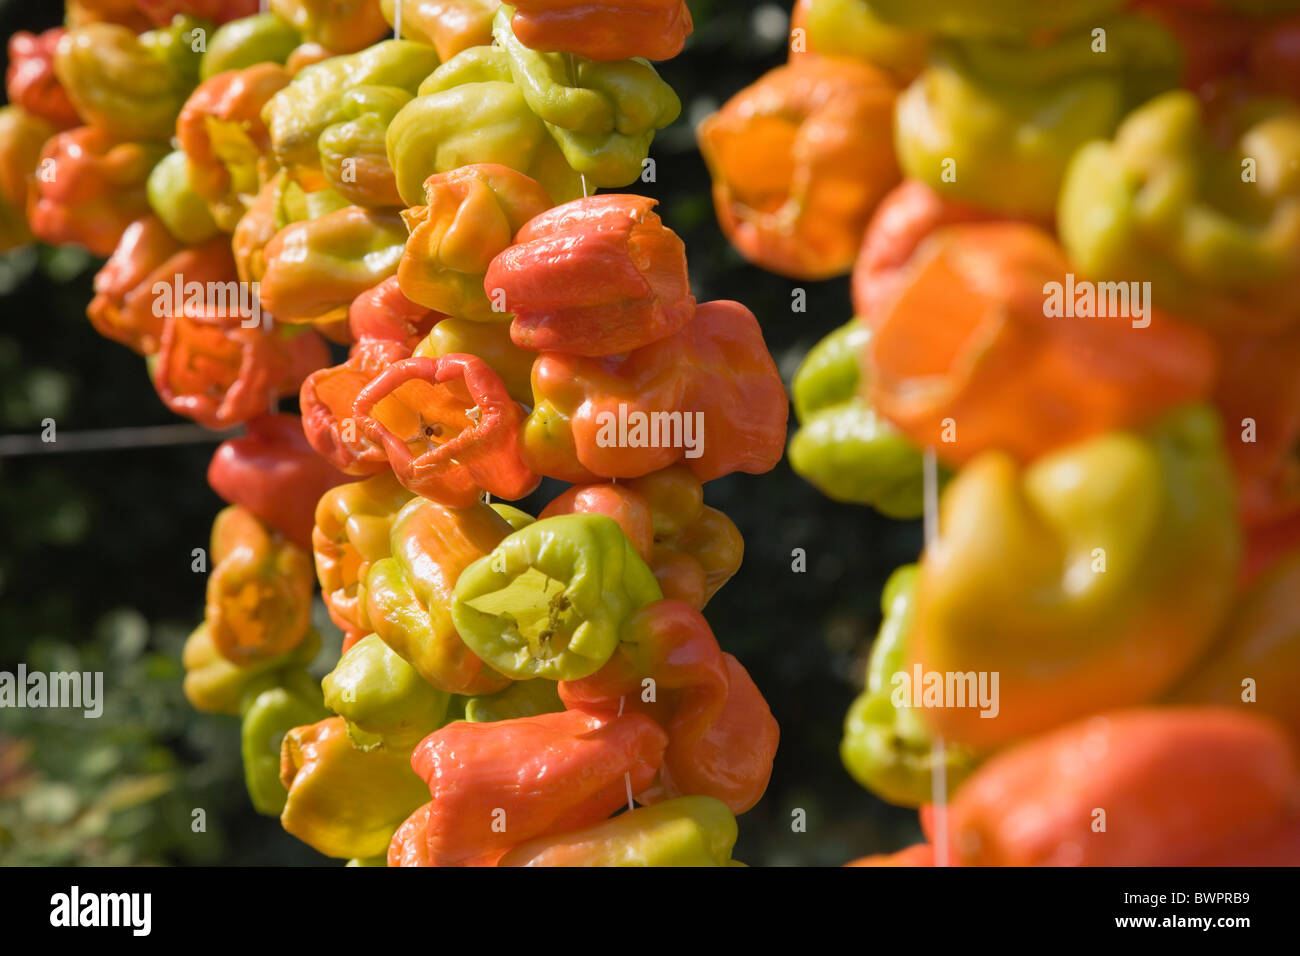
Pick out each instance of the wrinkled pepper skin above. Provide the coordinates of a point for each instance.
(984, 115)
(1154, 510)
(354, 151)
(548, 774)
(717, 367)
(505, 612)
(353, 523)
(449, 26)
(603, 116)
(213, 685)
(30, 81)
(275, 474)
(799, 161)
(344, 801)
(688, 831)
(887, 748)
(90, 187)
(1232, 776)
(1161, 203)
(408, 596)
(597, 276)
(995, 19)
(174, 200)
(490, 341)
(122, 309)
(604, 29)
(849, 28)
(449, 428)
(382, 698)
(721, 736)
(22, 140)
(843, 446)
(966, 359)
(470, 215)
(248, 41)
(523, 698)
(267, 717)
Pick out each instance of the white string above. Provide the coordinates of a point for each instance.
(397, 19)
(939, 769)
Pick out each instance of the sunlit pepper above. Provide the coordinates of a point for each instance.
(267, 717)
(22, 139)
(354, 151)
(341, 27)
(122, 309)
(799, 160)
(214, 685)
(523, 698)
(597, 276)
(382, 698)
(450, 26)
(604, 29)
(851, 28)
(173, 199)
(470, 215)
(248, 41)
(550, 599)
(408, 596)
(344, 801)
(30, 81)
(490, 341)
(993, 18)
(1091, 579)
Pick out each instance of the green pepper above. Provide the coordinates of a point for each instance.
(844, 448)
(995, 124)
(550, 599)
(382, 698)
(261, 38)
(214, 685)
(268, 716)
(888, 748)
(603, 115)
(1014, 19)
(172, 197)
(514, 517)
(354, 151)
(381, 860)
(524, 698)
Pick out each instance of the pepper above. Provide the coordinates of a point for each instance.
(1233, 778)
(985, 114)
(449, 428)
(603, 116)
(513, 516)
(997, 19)
(970, 353)
(844, 448)
(22, 138)
(470, 215)
(340, 27)
(490, 341)
(382, 698)
(523, 698)
(627, 507)
(408, 596)
(344, 801)
(125, 12)
(1091, 579)
(495, 785)
(626, 416)
(468, 112)
(921, 854)
(688, 831)
(273, 472)
(90, 189)
(162, 12)
(450, 26)
(248, 41)
(258, 226)
(851, 28)
(603, 29)
(1152, 206)
(122, 309)
(597, 276)
(354, 151)
(173, 199)
(267, 717)
(886, 746)
(721, 736)
(214, 685)
(130, 87)
(30, 81)
(506, 613)
(799, 160)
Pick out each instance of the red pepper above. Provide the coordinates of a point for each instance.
(30, 81)
(596, 276)
(161, 12)
(275, 474)
(604, 29)
(122, 309)
(629, 508)
(449, 428)
(922, 854)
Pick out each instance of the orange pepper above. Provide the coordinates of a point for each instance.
(161, 12)
(921, 854)
(627, 507)
(341, 26)
(450, 26)
(123, 12)
(604, 29)
(799, 161)
(22, 138)
(30, 81)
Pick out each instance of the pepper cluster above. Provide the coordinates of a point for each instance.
(506, 683)
(1074, 236)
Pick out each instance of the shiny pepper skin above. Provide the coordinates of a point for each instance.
(354, 151)
(267, 716)
(213, 685)
(341, 26)
(22, 138)
(30, 81)
(490, 341)
(382, 698)
(248, 41)
(450, 26)
(604, 29)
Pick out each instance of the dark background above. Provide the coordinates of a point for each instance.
(95, 556)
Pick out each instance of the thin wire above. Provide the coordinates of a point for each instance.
(938, 752)
(109, 439)
(397, 19)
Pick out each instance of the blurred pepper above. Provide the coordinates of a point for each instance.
(597, 276)
(921, 854)
(886, 746)
(448, 427)
(603, 29)
(214, 685)
(382, 698)
(799, 160)
(603, 116)
(173, 199)
(408, 596)
(991, 18)
(986, 115)
(471, 214)
(688, 831)
(162, 12)
(125, 12)
(1091, 579)
(342, 26)
(267, 718)
(246, 42)
(344, 801)
(721, 736)
(1233, 778)
(490, 341)
(844, 448)
(30, 81)
(468, 112)
(550, 599)
(130, 87)
(354, 151)
(1274, 58)
(523, 698)
(1216, 232)
(626, 416)
(89, 187)
(450, 26)
(22, 140)
(496, 785)
(122, 309)
(850, 28)
(970, 354)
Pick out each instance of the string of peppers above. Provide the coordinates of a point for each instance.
(1074, 236)
(507, 684)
